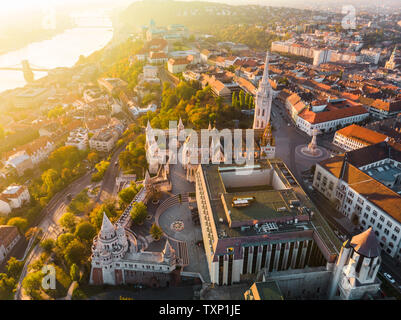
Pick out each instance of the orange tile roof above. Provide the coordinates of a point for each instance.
(7, 235)
(246, 84)
(178, 61)
(364, 135)
(332, 113)
(158, 55)
(293, 99)
(380, 195)
(386, 105)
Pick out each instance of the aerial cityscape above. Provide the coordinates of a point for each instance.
(200, 150)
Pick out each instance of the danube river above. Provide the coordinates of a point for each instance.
(63, 50)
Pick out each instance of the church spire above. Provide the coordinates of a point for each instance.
(146, 181)
(263, 99)
(148, 127)
(266, 70)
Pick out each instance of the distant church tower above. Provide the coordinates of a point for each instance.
(355, 272)
(263, 100)
(391, 63)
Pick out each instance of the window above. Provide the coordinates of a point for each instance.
(360, 200)
(381, 218)
(372, 221)
(393, 237)
(379, 226)
(350, 194)
(396, 229)
(364, 222)
(389, 224)
(331, 185)
(365, 215)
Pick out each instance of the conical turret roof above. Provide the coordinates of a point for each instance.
(366, 244)
(168, 250)
(148, 127)
(147, 178)
(107, 226)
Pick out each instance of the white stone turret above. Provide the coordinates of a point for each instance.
(168, 253)
(180, 126)
(355, 273)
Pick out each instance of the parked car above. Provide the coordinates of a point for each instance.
(389, 277)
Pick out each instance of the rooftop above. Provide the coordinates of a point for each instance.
(361, 134)
(280, 208)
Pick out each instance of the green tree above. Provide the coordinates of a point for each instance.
(93, 157)
(241, 99)
(74, 272)
(50, 178)
(139, 213)
(64, 239)
(7, 285)
(20, 223)
(247, 97)
(75, 252)
(85, 231)
(156, 232)
(127, 195)
(101, 168)
(32, 282)
(68, 221)
(48, 245)
(14, 267)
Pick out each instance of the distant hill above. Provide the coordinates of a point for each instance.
(197, 15)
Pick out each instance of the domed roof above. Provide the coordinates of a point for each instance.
(366, 244)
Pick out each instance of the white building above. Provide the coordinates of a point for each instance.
(9, 237)
(20, 161)
(104, 140)
(371, 55)
(78, 138)
(355, 137)
(355, 273)
(365, 186)
(136, 111)
(328, 116)
(118, 257)
(321, 56)
(13, 197)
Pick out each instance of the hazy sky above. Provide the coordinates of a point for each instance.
(11, 6)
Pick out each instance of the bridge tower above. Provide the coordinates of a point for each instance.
(28, 73)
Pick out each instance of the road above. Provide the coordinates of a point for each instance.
(164, 76)
(287, 139)
(109, 180)
(52, 213)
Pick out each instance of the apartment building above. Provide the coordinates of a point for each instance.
(13, 197)
(355, 137)
(104, 140)
(365, 186)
